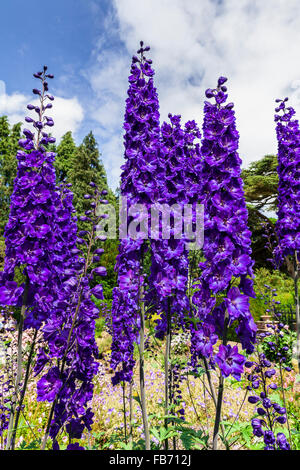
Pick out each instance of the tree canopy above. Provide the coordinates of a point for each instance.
(261, 181)
(9, 137)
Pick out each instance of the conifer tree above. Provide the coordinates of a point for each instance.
(66, 152)
(86, 167)
(9, 137)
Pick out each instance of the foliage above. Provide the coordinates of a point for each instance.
(9, 137)
(66, 154)
(276, 280)
(286, 341)
(260, 183)
(260, 186)
(86, 167)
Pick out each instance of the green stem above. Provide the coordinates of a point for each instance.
(296, 277)
(142, 369)
(19, 365)
(284, 402)
(167, 370)
(130, 412)
(20, 404)
(124, 411)
(220, 393)
(213, 395)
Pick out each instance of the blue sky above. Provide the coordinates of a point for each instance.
(62, 34)
(88, 45)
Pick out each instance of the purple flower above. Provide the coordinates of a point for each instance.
(253, 399)
(49, 385)
(269, 438)
(270, 373)
(100, 271)
(230, 361)
(97, 291)
(267, 403)
(75, 446)
(237, 304)
(203, 340)
(10, 293)
(282, 441)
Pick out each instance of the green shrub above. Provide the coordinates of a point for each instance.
(276, 280)
(286, 339)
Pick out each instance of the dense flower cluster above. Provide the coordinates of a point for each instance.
(53, 278)
(169, 268)
(177, 376)
(288, 224)
(192, 163)
(29, 237)
(139, 186)
(69, 356)
(271, 414)
(27, 280)
(225, 284)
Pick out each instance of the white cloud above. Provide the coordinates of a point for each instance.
(254, 43)
(109, 81)
(12, 105)
(67, 113)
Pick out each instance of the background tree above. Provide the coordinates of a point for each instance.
(86, 167)
(261, 183)
(9, 137)
(261, 190)
(65, 156)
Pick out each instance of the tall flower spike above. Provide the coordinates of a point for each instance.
(139, 185)
(270, 414)
(288, 223)
(169, 268)
(226, 247)
(68, 359)
(28, 233)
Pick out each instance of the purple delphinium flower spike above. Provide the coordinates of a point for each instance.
(69, 332)
(288, 223)
(28, 234)
(169, 268)
(271, 415)
(139, 184)
(226, 249)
